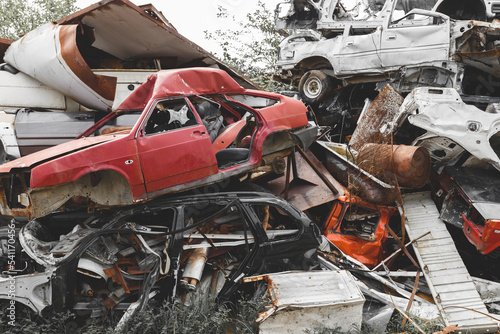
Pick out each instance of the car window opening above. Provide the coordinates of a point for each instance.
(170, 115)
(231, 144)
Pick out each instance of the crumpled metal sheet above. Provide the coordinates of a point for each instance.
(443, 114)
(309, 299)
(381, 111)
(50, 54)
(487, 61)
(181, 82)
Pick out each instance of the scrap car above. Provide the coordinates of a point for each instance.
(168, 249)
(193, 127)
(93, 75)
(409, 44)
(359, 228)
(468, 199)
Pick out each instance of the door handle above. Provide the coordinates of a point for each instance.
(198, 133)
(393, 37)
(349, 43)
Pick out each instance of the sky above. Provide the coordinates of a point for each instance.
(192, 17)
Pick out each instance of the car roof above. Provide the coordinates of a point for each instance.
(179, 82)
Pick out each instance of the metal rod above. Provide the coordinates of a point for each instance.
(398, 251)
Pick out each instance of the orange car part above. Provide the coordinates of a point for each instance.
(369, 252)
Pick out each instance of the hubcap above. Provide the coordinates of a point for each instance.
(313, 87)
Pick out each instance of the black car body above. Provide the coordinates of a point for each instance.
(167, 248)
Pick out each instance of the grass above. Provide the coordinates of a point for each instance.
(200, 317)
(162, 319)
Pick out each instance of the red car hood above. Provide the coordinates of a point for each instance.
(55, 152)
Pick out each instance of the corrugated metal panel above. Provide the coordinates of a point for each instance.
(450, 283)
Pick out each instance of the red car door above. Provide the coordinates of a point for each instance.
(174, 146)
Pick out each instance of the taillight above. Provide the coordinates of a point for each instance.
(494, 225)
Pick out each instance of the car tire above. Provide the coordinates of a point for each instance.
(314, 87)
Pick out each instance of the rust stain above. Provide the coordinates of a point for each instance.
(253, 279)
(103, 85)
(381, 111)
(409, 165)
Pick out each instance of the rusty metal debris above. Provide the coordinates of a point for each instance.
(309, 298)
(381, 111)
(408, 166)
(395, 209)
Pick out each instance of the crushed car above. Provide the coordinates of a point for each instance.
(168, 249)
(105, 74)
(342, 58)
(180, 114)
(468, 199)
(453, 131)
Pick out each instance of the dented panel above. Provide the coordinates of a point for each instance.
(58, 57)
(442, 113)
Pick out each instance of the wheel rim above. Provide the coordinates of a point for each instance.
(313, 87)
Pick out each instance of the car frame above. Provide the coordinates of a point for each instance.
(469, 200)
(60, 267)
(121, 168)
(432, 50)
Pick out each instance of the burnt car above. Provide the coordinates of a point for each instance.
(168, 249)
(174, 145)
(470, 200)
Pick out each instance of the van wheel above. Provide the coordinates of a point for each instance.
(314, 87)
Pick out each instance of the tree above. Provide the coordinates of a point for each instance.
(20, 16)
(252, 50)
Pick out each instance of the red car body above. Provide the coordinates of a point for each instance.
(358, 228)
(139, 164)
(470, 200)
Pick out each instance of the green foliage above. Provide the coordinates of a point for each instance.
(252, 50)
(20, 16)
